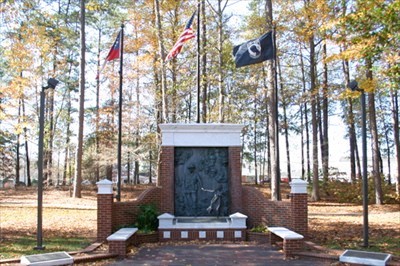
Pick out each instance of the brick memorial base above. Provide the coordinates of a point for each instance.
(245, 200)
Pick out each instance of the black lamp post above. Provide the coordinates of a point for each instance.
(354, 87)
(51, 83)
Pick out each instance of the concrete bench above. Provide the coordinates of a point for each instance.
(120, 240)
(292, 241)
(47, 259)
(364, 257)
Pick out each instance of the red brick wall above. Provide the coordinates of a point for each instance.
(248, 200)
(117, 247)
(235, 173)
(139, 239)
(291, 246)
(104, 216)
(193, 234)
(166, 179)
(262, 238)
(125, 213)
(261, 210)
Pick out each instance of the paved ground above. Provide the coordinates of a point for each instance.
(215, 254)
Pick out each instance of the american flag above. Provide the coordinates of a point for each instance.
(186, 35)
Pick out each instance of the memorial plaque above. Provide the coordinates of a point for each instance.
(201, 182)
(55, 258)
(364, 257)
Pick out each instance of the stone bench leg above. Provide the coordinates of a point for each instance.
(274, 238)
(291, 246)
(117, 247)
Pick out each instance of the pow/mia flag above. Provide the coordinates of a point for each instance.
(254, 51)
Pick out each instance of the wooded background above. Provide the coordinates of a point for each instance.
(321, 46)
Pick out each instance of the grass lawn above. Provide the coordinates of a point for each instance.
(24, 245)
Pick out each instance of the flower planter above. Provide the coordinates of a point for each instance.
(259, 237)
(142, 238)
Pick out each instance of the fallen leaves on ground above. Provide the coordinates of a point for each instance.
(330, 224)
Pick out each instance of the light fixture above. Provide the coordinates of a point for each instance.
(51, 83)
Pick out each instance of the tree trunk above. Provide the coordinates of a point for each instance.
(286, 126)
(395, 118)
(173, 84)
(109, 172)
(28, 161)
(388, 153)
(150, 166)
(302, 142)
(136, 173)
(374, 141)
(273, 113)
(79, 153)
(350, 114)
(325, 108)
(358, 162)
(157, 87)
(49, 153)
(164, 115)
(313, 92)
(221, 90)
(128, 168)
(204, 83)
(17, 163)
(255, 139)
(66, 152)
(267, 133)
(353, 144)
(138, 108)
(97, 146)
(67, 138)
(306, 122)
(350, 124)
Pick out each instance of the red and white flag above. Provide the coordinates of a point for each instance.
(115, 49)
(114, 52)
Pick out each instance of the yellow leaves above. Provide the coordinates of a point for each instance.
(392, 57)
(329, 25)
(358, 50)
(3, 116)
(347, 93)
(20, 127)
(97, 6)
(368, 85)
(15, 89)
(351, 53)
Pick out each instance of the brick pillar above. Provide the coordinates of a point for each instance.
(292, 246)
(166, 179)
(299, 206)
(235, 171)
(105, 199)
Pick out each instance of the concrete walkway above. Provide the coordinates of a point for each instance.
(215, 254)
